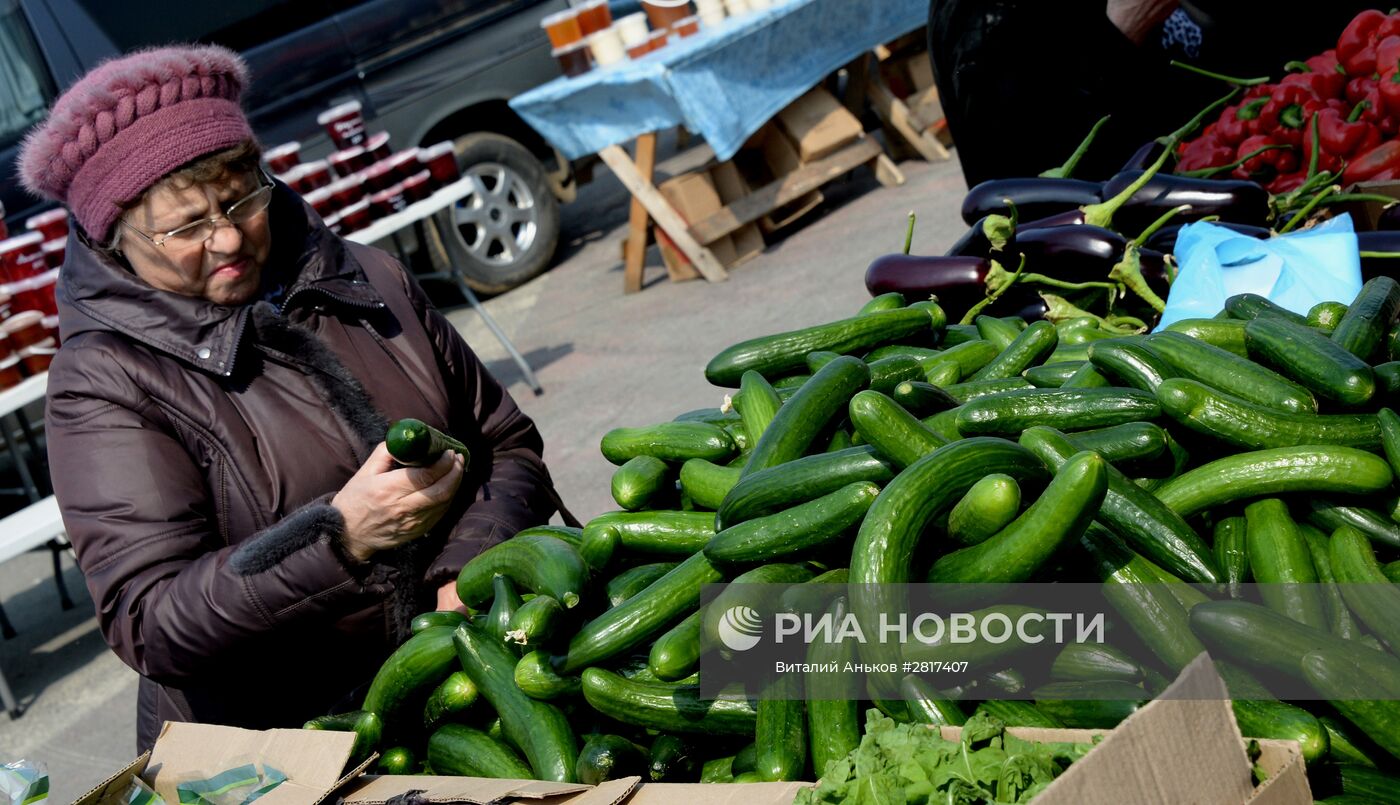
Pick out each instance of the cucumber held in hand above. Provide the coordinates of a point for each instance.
(415, 443)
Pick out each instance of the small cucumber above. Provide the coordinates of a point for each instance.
(455, 695)
(535, 621)
(922, 353)
(1355, 697)
(1051, 375)
(428, 620)
(954, 334)
(745, 759)
(639, 482)
(1226, 334)
(1087, 377)
(1362, 330)
(791, 433)
(996, 331)
(505, 602)
(1085, 662)
(1012, 412)
(1312, 359)
(1371, 595)
(459, 750)
(540, 564)
(1123, 444)
(1231, 373)
(805, 479)
(657, 533)
(928, 706)
(1326, 316)
(396, 760)
(1249, 307)
(780, 730)
(1030, 347)
(967, 357)
(671, 441)
(1390, 436)
(1232, 552)
(885, 301)
(609, 757)
(1279, 470)
(989, 506)
(1100, 704)
(1019, 714)
(598, 546)
(802, 528)
(1329, 515)
(409, 675)
(672, 759)
(670, 708)
(1376, 786)
(890, 429)
(757, 403)
(1339, 620)
(945, 424)
(1131, 364)
(976, 389)
(1281, 562)
(414, 443)
(676, 654)
(1256, 427)
(367, 726)
(923, 399)
(833, 715)
(739, 591)
(635, 579)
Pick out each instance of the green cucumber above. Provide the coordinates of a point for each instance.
(639, 482)
(1339, 620)
(949, 373)
(923, 399)
(718, 770)
(397, 760)
(409, 675)
(1256, 427)
(1329, 515)
(1231, 373)
(505, 602)
(840, 440)
(1051, 375)
(1275, 471)
(1354, 697)
(1087, 378)
(802, 528)
(922, 353)
(570, 534)
(1131, 364)
(671, 441)
(945, 424)
(745, 759)
(428, 620)
(455, 695)
(535, 677)
(1281, 562)
(1345, 744)
(1011, 412)
(1369, 594)
(1015, 713)
(1133, 588)
(1030, 347)
(459, 750)
(791, 433)
(1311, 358)
(980, 655)
(672, 759)
(989, 506)
(1085, 662)
(1387, 380)
(885, 301)
(1376, 786)
(598, 546)
(968, 357)
(1060, 515)
(1137, 515)
(1390, 436)
(367, 726)
(1077, 353)
(833, 715)
(1280, 721)
(976, 389)
(1250, 307)
(657, 533)
(1392, 571)
(799, 481)
(640, 617)
(890, 429)
(1326, 316)
(955, 334)
(739, 591)
(1126, 443)
(1232, 552)
(608, 757)
(998, 332)
(676, 654)
(773, 355)
(780, 730)
(414, 443)
(887, 373)
(535, 621)
(539, 729)
(711, 416)
(1362, 331)
(1098, 704)
(806, 597)
(928, 706)
(635, 579)
(757, 403)
(1226, 334)
(670, 708)
(540, 564)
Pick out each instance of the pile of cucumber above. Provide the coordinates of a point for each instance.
(891, 447)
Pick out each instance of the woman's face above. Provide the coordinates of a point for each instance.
(225, 267)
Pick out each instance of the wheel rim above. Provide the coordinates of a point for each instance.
(499, 221)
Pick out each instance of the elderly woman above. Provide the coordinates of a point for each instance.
(217, 411)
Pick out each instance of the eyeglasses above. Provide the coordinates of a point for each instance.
(237, 213)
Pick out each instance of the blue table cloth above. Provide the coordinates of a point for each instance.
(722, 84)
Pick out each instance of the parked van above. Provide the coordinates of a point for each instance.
(423, 70)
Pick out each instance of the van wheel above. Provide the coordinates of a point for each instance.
(509, 225)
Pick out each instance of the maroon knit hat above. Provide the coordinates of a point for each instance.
(131, 121)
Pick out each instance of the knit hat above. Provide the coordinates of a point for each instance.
(131, 121)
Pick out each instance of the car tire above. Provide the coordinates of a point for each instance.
(509, 228)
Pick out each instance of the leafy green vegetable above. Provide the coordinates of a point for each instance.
(912, 764)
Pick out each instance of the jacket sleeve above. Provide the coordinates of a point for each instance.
(173, 597)
(515, 489)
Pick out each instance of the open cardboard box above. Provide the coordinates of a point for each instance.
(1365, 214)
(1182, 748)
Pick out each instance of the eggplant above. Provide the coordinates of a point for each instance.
(1164, 239)
(1143, 158)
(1389, 219)
(977, 243)
(1033, 197)
(958, 282)
(1234, 200)
(1153, 265)
(1386, 241)
(1079, 253)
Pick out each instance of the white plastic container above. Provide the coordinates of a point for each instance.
(736, 8)
(710, 12)
(607, 46)
(633, 31)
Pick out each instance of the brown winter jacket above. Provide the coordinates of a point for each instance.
(195, 448)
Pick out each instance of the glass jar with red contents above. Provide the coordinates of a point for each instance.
(377, 146)
(35, 360)
(349, 161)
(283, 158)
(404, 163)
(10, 374)
(379, 176)
(347, 191)
(355, 217)
(387, 202)
(51, 327)
(25, 329)
(52, 225)
(39, 293)
(322, 200)
(22, 256)
(418, 186)
(54, 252)
(345, 124)
(441, 161)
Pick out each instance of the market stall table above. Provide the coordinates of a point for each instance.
(430, 211)
(724, 85)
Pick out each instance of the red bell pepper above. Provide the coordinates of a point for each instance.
(1271, 163)
(1336, 134)
(1321, 74)
(1382, 158)
(1356, 47)
(1389, 87)
(1284, 184)
(1287, 112)
(1206, 151)
(1239, 122)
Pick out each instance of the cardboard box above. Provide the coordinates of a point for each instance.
(818, 125)
(696, 196)
(313, 760)
(766, 157)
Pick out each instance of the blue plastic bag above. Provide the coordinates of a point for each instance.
(1295, 271)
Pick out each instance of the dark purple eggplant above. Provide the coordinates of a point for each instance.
(1387, 242)
(1079, 253)
(958, 282)
(978, 240)
(1233, 200)
(1033, 197)
(1164, 240)
(1154, 269)
(1389, 219)
(1143, 158)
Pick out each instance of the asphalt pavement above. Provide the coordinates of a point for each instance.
(605, 360)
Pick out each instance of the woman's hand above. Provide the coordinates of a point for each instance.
(385, 505)
(447, 600)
